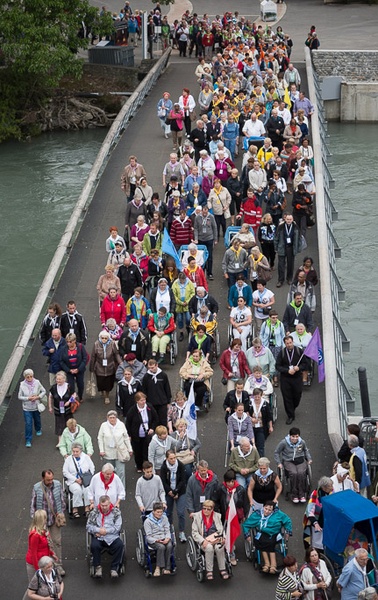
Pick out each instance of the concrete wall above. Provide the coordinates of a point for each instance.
(359, 102)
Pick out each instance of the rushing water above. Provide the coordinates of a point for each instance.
(354, 148)
(40, 182)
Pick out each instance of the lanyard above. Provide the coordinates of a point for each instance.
(290, 356)
(288, 229)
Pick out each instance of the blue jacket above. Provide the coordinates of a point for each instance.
(234, 295)
(54, 358)
(351, 581)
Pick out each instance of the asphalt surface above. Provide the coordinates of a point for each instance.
(21, 467)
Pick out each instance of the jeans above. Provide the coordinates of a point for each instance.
(183, 318)
(180, 509)
(244, 480)
(119, 468)
(30, 416)
(259, 440)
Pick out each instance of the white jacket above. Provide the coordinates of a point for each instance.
(69, 470)
(110, 437)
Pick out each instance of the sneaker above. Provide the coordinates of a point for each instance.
(28, 444)
(211, 277)
(295, 500)
(38, 433)
(98, 572)
(113, 574)
(157, 572)
(182, 537)
(279, 284)
(302, 499)
(181, 336)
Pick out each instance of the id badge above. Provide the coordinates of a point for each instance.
(204, 229)
(133, 347)
(220, 171)
(202, 499)
(254, 275)
(238, 438)
(104, 362)
(61, 407)
(72, 331)
(234, 369)
(237, 265)
(288, 240)
(296, 321)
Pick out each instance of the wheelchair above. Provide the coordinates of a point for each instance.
(68, 496)
(208, 397)
(122, 567)
(273, 403)
(253, 555)
(249, 340)
(204, 253)
(146, 556)
(172, 348)
(213, 333)
(195, 559)
(286, 488)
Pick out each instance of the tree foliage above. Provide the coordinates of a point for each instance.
(39, 42)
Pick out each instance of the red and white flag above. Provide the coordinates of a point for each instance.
(232, 530)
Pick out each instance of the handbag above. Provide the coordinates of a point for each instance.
(185, 456)
(86, 478)
(74, 406)
(193, 116)
(266, 310)
(41, 407)
(123, 455)
(161, 113)
(91, 387)
(167, 121)
(60, 519)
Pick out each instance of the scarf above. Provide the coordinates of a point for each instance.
(241, 453)
(257, 353)
(154, 375)
(261, 476)
(129, 384)
(104, 514)
(173, 471)
(288, 441)
(231, 489)
(208, 520)
(30, 384)
(203, 482)
(200, 341)
(106, 483)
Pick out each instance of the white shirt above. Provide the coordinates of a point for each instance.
(253, 128)
(263, 298)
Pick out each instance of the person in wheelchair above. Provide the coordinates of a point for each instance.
(78, 470)
(240, 425)
(207, 532)
(206, 318)
(183, 291)
(268, 523)
(158, 535)
(200, 340)
(258, 380)
(293, 455)
(104, 524)
(197, 370)
(161, 324)
(241, 321)
(203, 298)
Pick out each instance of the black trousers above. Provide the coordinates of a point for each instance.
(268, 251)
(291, 389)
(221, 223)
(209, 264)
(200, 390)
(288, 261)
(115, 550)
(140, 449)
(162, 411)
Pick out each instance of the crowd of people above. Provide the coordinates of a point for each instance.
(249, 97)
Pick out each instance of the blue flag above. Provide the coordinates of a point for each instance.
(168, 248)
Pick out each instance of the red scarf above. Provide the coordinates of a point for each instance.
(103, 515)
(231, 489)
(203, 482)
(106, 484)
(208, 521)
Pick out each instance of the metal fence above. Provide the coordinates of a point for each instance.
(60, 257)
(339, 400)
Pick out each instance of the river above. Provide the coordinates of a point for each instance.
(40, 182)
(354, 147)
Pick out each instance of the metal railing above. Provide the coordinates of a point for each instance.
(338, 397)
(65, 244)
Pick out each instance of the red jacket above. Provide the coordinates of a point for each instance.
(251, 212)
(170, 327)
(197, 277)
(225, 364)
(142, 264)
(113, 309)
(38, 546)
(181, 232)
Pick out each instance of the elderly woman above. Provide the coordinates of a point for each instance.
(246, 237)
(186, 447)
(261, 356)
(107, 281)
(31, 393)
(78, 470)
(127, 387)
(113, 238)
(259, 267)
(183, 290)
(289, 586)
(240, 425)
(341, 480)
(241, 321)
(234, 364)
(46, 583)
(268, 522)
(160, 443)
(114, 443)
(197, 371)
(144, 190)
(61, 397)
(113, 329)
(368, 593)
(75, 433)
(38, 543)
(140, 258)
(138, 231)
(219, 200)
(176, 410)
(264, 485)
(104, 362)
(207, 531)
(262, 418)
(106, 483)
(141, 421)
(315, 576)
(164, 106)
(313, 519)
(73, 361)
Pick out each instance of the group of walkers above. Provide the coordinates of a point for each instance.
(249, 97)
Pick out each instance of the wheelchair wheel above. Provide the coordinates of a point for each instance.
(308, 481)
(200, 575)
(273, 406)
(140, 552)
(331, 569)
(191, 554)
(250, 550)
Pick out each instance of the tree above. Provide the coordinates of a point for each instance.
(39, 42)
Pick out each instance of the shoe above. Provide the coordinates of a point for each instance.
(302, 499)
(157, 572)
(279, 284)
(265, 569)
(181, 336)
(98, 572)
(233, 561)
(75, 515)
(38, 433)
(295, 500)
(288, 281)
(28, 445)
(209, 576)
(161, 359)
(107, 401)
(224, 574)
(114, 574)
(166, 136)
(273, 571)
(166, 572)
(205, 407)
(182, 537)
(211, 277)
(289, 421)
